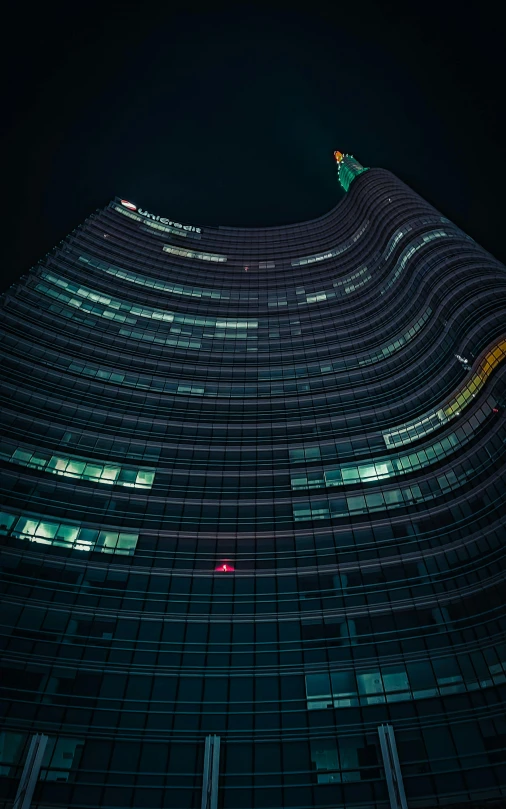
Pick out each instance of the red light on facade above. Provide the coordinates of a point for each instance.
(129, 205)
(495, 410)
(225, 567)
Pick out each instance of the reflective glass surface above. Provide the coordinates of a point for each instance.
(253, 487)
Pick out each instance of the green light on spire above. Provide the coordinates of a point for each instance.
(347, 169)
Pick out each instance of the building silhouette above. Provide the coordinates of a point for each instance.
(253, 513)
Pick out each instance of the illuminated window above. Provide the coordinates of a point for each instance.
(79, 468)
(179, 251)
(154, 283)
(403, 259)
(66, 535)
(89, 300)
(416, 429)
(335, 251)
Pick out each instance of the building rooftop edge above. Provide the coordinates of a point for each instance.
(257, 228)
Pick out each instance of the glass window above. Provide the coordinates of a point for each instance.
(68, 535)
(60, 757)
(318, 691)
(11, 748)
(370, 687)
(344, 689)
(325, 760)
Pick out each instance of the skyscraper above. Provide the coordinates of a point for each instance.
(253, 513)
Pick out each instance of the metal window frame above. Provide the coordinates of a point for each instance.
(393, 775)
(31, 770)
(211, 773)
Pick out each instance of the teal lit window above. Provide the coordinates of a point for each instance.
(79, 468)
(67, 535)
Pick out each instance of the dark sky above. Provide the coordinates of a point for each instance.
(229, 114)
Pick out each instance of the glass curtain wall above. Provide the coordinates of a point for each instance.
(253, 488)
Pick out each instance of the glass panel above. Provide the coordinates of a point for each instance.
(107, 541)
(57, 464)
(395, 679)
(64, 753)
(110, 473)
(145, 478)
(126, 543)
(370, 683)
(11, 746)
(67, 532)
(6, 521)
(344, 689)
(75, 468)
(318, 691)
(325, 759)
(21, 456)
(93, 471)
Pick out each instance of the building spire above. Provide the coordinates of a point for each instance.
(347, 168)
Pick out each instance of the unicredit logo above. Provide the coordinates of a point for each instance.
(160, 219)
(169, 222)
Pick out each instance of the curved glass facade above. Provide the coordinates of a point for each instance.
(253, 512)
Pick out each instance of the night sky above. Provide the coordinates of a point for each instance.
(229, 114)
